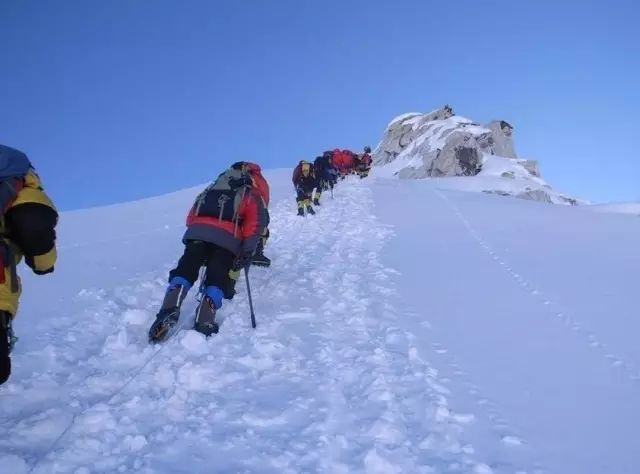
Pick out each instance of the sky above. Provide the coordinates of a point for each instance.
(121, 100)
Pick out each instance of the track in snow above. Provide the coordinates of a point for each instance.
(328, 382)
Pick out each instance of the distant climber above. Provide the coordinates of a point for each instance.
(304, 182)
(326, 175)
(224, 227)
(364, 163)
(343, 160)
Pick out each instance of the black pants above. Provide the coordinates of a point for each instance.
(5, 361)
(218, 263)
(304, 193)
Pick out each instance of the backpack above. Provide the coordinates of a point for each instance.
(14, 166)
(222, 198)
(297, 172)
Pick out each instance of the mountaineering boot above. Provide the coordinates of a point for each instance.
(259, 258)
(206, 317)
(6, 344)
(316, 202)
(301, 211)
(169, 313)
(310, 210)
(206, 312)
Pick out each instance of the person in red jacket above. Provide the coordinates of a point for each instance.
(339, 161)
(344, 162)
(261, 185)
(224, 227)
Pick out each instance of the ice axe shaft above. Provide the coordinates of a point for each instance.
(253, 315)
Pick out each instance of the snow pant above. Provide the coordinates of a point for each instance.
(217, 261)
(303, 197)
(363, 171)
(10, 286)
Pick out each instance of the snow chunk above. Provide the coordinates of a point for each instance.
(135, 443)
(135, 316)
(13, 464)
(376, 464)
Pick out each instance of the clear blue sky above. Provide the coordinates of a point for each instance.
(116, 100)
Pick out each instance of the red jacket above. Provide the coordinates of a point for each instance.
(240, 236)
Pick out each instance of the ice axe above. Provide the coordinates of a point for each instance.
(253, 315)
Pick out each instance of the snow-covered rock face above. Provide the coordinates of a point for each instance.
(442, 144)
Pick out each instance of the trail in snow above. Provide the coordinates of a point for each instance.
(328, 382)
(402, 329)
(553, 308)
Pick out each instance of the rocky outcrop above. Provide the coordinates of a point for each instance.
(443, 144)
(446, 144)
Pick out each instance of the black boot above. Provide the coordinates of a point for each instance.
(316, 202)
(206, 317)
(259, 258)
(6, 342)
(300, 211)
(310, 210)
(169, 314)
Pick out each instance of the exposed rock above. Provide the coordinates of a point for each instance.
(531, 166)
(497, 191)
(459, 157)
(535, 195)
(502, 133)
(443, 144)
(448, 145)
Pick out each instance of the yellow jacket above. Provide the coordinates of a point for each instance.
(27, 229)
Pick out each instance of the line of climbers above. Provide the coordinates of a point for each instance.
(311, 179)
(227, 229)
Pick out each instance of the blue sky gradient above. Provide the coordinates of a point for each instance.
(120, 100)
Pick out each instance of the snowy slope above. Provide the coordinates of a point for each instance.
(404, 329)
(618, 207)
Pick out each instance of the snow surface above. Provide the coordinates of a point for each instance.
(618, 207)
(406, 328)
